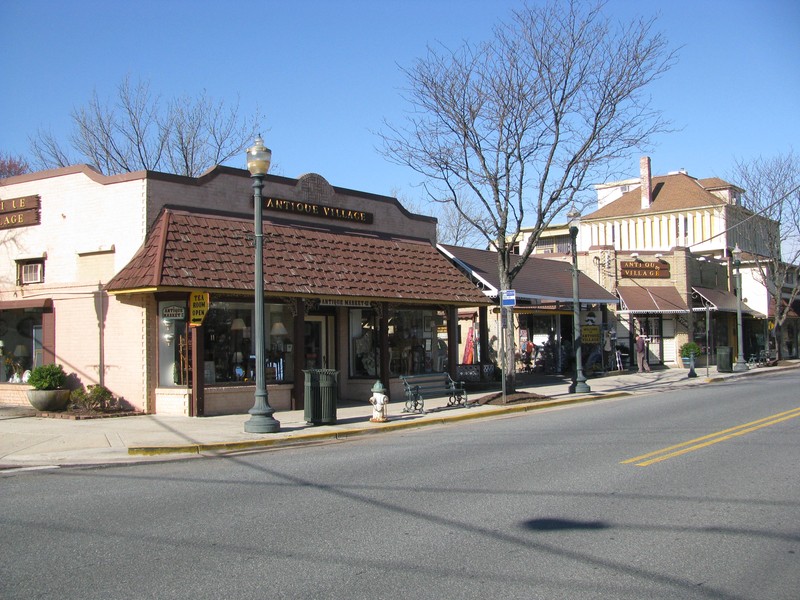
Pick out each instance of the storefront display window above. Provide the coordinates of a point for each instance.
(281, 350)
(20, 344)
(173, 368)
(417, 342)
(230, 343)
(414, 343)
(365, 351)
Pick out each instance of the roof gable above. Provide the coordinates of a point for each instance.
(674, 192)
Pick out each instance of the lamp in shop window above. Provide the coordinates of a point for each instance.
(278, 329)
(579, 385)
(261, 419)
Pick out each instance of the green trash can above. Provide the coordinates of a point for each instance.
(321, 396)
(724, 364)
(329, 395)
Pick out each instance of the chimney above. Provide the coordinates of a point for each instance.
(644, 173)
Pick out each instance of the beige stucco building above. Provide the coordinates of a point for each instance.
(97, 273)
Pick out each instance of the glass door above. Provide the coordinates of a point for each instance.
(651, 328)
(315, 343)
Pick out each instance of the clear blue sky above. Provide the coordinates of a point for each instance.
(325, 72)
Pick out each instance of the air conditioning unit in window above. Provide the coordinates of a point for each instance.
(32, 273)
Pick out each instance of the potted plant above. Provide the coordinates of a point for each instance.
(688, 350)
(48, 393)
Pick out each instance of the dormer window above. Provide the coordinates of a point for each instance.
(30, 271)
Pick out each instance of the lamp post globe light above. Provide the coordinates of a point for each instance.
(737, 260)
(579, 385)
(261, 419)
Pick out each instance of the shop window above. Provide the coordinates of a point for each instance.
(417, 342)
(30, 271)
(280, 345)
(20, 344)
(173, 353)
(229, 343)
(365, 351)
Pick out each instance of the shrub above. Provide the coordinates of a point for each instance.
(48, 377)
(95, 397)
(689, 348)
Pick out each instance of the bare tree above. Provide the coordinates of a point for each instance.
(12, 165)
(139, 130)
(452, 227)
(772, 190)
(518, 127)
(458, 230)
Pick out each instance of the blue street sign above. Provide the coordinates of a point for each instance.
(509, 298)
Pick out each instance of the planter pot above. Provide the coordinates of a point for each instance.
(48, 400)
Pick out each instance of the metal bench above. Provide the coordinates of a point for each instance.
(433, 385)
(763, 359)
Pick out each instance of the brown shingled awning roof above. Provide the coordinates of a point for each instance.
(540, 279)
(651, 299)
(722, 300)
(191, 250)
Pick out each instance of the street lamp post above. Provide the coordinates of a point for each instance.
(579, 385)
(261, 419)
(737, 260)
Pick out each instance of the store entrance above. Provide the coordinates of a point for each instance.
(316, 344)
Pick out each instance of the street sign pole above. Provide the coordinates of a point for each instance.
(508, 299)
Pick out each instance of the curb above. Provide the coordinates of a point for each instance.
(312, 437)
(307, 438)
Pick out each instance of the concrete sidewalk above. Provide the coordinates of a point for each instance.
(30, 441)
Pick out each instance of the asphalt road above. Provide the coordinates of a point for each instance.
(690, 494)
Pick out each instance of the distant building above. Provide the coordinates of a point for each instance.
(663, 245)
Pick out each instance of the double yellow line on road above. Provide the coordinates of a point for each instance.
(707, 440)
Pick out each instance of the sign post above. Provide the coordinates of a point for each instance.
(508, 300)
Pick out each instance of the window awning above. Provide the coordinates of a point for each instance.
(42, 303)
(721, 300)
(638, 299)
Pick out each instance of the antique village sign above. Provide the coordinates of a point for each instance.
(20, 212)
(644, 269)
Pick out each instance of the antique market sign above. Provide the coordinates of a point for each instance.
(644, 269)
(20, 212)
(173, 312)
(198, 307)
